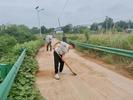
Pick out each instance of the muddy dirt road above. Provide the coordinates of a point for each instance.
(93, 81)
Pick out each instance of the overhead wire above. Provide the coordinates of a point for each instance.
(65, 5)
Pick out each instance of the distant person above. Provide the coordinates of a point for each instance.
(53, 34)
(48, 42)
(60, 49)
(64, 39)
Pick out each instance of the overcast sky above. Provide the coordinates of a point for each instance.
(76, 12)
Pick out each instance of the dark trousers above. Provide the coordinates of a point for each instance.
(64, 39)
(49, 45)
(57, 61)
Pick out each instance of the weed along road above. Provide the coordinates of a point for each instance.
(93, 81)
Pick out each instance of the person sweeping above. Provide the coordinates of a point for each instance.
(60, 49)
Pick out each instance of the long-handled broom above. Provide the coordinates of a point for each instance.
(68, 66)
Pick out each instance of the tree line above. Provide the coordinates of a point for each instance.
(24, 33)
(107, 25)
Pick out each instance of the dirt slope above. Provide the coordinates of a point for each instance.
(93, 81)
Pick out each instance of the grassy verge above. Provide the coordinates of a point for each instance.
(123, 41)
(24, 87)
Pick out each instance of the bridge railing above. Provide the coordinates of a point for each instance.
(9, 75)
(116, 51)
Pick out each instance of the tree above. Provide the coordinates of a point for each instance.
(121, 25)
(6, 43)
(49, 30)
(94, 27)
(130, 24)
(34, 30)
(21, 32)
(108, 23)
(83, 29)
(68, 28)
(79, 29)
(43, 29)
(11, 30)
(76, 29)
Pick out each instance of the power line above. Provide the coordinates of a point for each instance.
(64, 7)
(62, 12)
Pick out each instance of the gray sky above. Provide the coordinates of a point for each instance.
(76, 12)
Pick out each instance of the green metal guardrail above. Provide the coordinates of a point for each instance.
(5, 86)
(4, 69)
(121, 52)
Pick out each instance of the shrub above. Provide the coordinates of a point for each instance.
(24, 87)
(21, 33)
(6, 44)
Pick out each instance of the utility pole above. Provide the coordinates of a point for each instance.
(63, 35)
(38, 16)
(106, 24)
(129, 24)
(59, 22)
(114, 26)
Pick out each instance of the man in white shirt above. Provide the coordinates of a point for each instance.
(59, 53)
(49, 41)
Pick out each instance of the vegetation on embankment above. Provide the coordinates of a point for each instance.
(13, 34)
(12, 39)
(6, 43)
(24, 87)
(123, 41)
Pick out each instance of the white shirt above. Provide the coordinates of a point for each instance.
(63, 48)
(49, 38)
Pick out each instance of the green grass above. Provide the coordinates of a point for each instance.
(120, 40)
(124, 41)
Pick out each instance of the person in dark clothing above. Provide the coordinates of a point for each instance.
(59, 53)
(64, 39)
(49, 46)
(48, 42)
(57, 60)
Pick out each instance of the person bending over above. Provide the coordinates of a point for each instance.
(60, 49)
